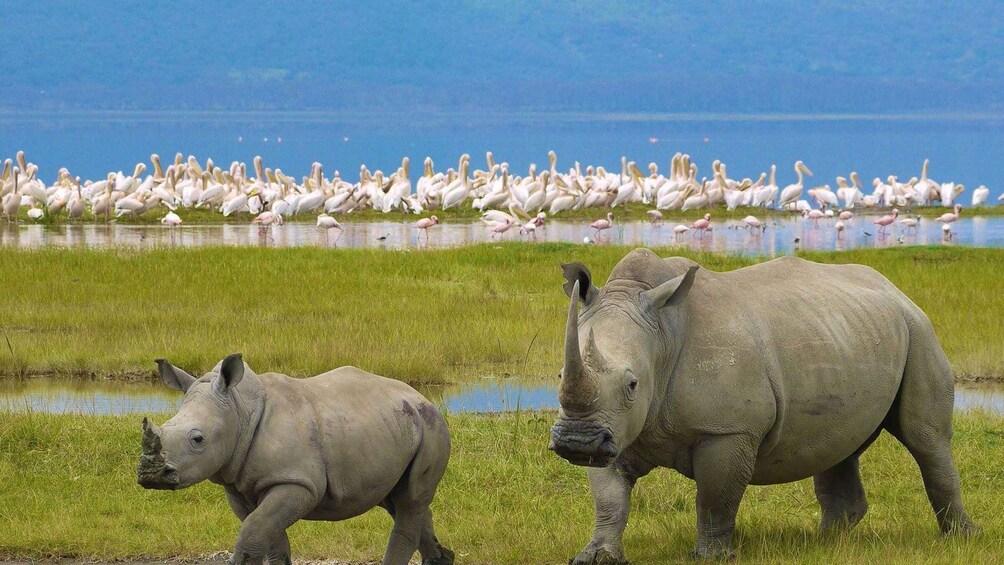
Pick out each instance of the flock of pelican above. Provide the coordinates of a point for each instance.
(506, 199)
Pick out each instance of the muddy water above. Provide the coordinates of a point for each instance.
(726, 236)
(115, 398)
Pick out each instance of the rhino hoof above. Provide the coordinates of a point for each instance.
(965, 528)
(707, 554)
(597, 557)
(445, 558)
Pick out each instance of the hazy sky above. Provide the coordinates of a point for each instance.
(195, 54)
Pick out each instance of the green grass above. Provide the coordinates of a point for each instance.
(636, 211)
(69, 491)
(437, 316)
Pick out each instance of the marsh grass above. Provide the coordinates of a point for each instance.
(442, 316)
(69, 490)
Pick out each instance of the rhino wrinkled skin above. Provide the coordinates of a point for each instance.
(325, 448)
(769, 374)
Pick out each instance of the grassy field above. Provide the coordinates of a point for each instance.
(635, 211)
(70, 491)
(442, 316)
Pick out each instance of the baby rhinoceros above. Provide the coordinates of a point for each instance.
(325, 448)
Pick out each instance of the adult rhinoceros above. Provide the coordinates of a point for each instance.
(769, 374)
(325, 448)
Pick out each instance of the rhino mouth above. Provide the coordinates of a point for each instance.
(159, 477)
(582, 442)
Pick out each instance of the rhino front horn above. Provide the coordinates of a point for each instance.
(576, 391)
(151, 437)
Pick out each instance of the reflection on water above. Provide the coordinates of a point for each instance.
(58, 396)
(726, 236)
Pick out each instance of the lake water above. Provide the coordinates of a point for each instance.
(962, 149)
(109, 397)
(726, 236)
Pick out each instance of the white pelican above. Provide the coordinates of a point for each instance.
(699, 200)
(824, 196)
(12, 201)
(457, 191)
(925, 188)
(980, 195)
(793, 192)
(767, 193)
(171, 219)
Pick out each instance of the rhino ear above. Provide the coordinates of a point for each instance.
(577, 272)
(231, 372)
(675, 288)
(174, 377)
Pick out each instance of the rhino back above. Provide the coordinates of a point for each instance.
(808, 355)
(349, 433)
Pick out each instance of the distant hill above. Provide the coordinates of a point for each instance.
(755, 56)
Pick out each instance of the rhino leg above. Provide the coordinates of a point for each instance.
(410, 500)
(279, 554)
(263, 531)
(405, 535)
(723, 467)
(611, 504)
(841, 495)
(921, 418)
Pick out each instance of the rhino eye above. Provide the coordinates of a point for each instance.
(196, 439)
(633, 384)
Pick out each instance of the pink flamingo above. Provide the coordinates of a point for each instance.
(839, 226)
(813, 215)
(424, 224)
(702, 225)
(754, 223)
(265, 221)
(949, 217)
(500, 228)
(327, 223)
(886, 220)
(655, 216)
(845, 215)
(532, 226)
(600, 225)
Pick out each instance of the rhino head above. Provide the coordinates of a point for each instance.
(201, 439)
(612, 354)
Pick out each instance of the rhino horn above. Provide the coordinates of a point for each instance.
(593, 357)
(576, 391)
(151, 438)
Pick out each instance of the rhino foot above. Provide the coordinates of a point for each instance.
(445, 558)
(965, 528)
(721, 554)
(597, 556)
